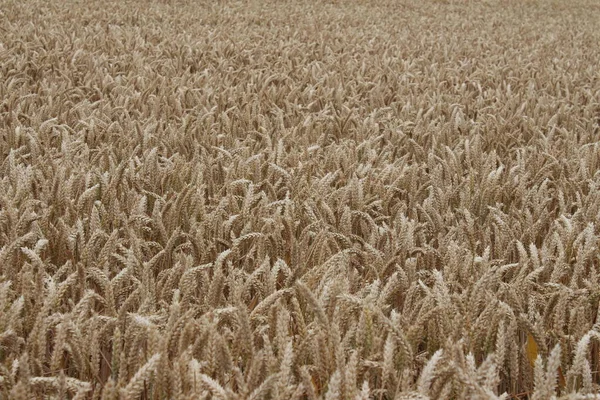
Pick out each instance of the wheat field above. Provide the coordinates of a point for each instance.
(299, 199)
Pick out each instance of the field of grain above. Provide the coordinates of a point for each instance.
(299, 199)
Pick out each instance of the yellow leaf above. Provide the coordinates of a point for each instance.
(532, 353)
(532, 349)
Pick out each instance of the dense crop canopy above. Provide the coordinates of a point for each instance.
(299, 199)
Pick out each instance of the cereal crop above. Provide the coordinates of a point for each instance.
(351, 199)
